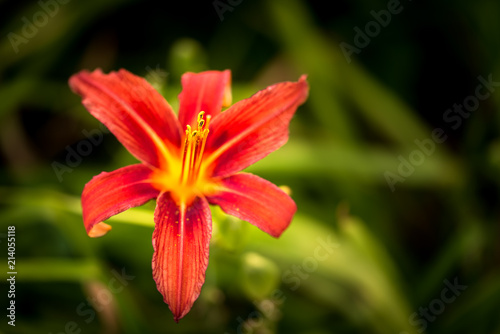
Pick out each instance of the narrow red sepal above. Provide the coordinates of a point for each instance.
(108, 194)
(257, 201)
(206, 91)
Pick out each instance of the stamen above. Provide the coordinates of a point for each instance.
(185, 152)
(209, 117)
(200, 116)
(194, 145)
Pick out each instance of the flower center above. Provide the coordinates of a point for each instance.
(186, 177)
(192, 152)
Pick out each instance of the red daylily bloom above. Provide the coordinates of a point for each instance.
(186, 170)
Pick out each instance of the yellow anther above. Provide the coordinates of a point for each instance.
(200, 115)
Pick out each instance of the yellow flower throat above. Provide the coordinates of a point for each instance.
(185, 176)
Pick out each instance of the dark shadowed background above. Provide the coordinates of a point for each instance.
(393, 162)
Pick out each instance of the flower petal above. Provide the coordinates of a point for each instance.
(252, 128)
(257, 201)
(206, 91)
(180, 241)
(132, 110)
(108, 194)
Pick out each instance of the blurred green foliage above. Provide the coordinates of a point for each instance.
(359, 257)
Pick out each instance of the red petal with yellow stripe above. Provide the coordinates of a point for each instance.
(133, 111)
(252, 128)
(180, 241)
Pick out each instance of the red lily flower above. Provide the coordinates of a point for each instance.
(185, 171)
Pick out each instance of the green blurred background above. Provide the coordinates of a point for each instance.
(361, 256)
